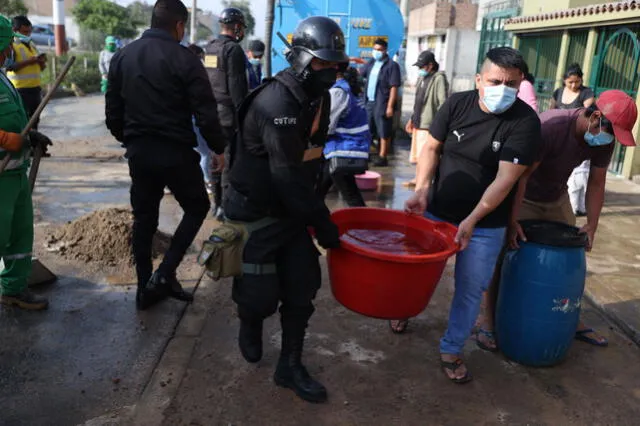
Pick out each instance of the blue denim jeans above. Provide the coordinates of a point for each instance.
(473, 273)
(205, 155)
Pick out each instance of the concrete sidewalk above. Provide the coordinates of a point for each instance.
(377, 378)
(613, 280)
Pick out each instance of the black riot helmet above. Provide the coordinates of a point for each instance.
(317, 37)
(232, 15)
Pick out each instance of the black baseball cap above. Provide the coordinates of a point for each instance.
(425, 58)
(257, 47)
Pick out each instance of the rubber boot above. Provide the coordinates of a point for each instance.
(250, 338)
(290, 372)
(175, 289)
(152, 292)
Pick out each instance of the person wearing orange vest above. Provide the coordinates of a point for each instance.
(27, 65)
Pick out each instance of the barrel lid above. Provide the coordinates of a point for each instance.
(555, 234)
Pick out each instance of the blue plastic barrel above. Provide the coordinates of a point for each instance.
(541, 288)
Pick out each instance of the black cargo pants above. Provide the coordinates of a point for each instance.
(281, 268)
(149, 176)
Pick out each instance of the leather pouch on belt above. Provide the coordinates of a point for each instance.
(221, 254)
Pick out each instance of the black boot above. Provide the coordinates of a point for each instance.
(175, 289)
(250, 339)
(152, 292)
(290, 372)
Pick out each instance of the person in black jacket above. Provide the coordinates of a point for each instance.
(226, 66)
(155, 87)
(274, 165)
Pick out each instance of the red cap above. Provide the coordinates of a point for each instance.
(620, 109)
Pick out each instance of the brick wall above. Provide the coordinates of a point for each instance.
(441, 14)
(422, 19)
(415, 4)
(444, 17)
(466, 15)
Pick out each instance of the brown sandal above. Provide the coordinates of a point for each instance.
(400, 327)
(453, 366)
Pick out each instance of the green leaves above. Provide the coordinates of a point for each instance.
(11, 8)
(105, 16)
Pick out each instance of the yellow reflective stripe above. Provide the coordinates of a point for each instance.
(17, 256)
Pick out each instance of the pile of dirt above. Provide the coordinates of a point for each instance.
(102, 238)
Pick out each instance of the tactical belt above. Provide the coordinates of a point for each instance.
(254, 268)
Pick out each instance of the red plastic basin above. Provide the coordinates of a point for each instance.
(386, 285)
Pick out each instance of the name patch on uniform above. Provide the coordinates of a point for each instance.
(285, 121)
(211, 61)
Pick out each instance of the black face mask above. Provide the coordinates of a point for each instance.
(321, 81)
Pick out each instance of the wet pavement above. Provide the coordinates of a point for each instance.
(613, 281)
(375, 377)
(92, 359)
(91, 353)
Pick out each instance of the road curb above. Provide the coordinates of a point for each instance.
(611, 315)
(172, 366)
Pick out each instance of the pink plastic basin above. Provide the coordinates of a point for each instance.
(368, 181)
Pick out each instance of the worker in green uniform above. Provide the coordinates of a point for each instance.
(16, 209)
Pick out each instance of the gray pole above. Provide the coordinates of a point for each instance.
(194, 19)
(404, 9)
(268, 33)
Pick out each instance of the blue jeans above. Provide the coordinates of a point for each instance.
(205, 155)
(473, 273)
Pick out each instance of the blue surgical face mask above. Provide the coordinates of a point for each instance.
(377, 55)
(602, 138)
(498, 99)
(423, 73)
(254, 61)
(24, 38)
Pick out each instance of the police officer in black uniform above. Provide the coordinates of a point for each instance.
(226, 65)
(155, 87)
(274, 166)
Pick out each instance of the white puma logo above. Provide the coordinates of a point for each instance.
(458, 135)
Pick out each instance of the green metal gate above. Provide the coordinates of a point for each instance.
(493, 33)
(617, 66)
(542, 51)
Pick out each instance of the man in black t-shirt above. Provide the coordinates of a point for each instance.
(479, 145)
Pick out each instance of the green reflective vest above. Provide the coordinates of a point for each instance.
(13, 118)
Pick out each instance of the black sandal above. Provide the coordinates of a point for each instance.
(489, 335)
(401, 327)
(453, 366)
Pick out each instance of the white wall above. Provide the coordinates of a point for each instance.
(413, 50)
(461, 58)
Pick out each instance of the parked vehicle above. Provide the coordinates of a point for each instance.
(42, 35)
